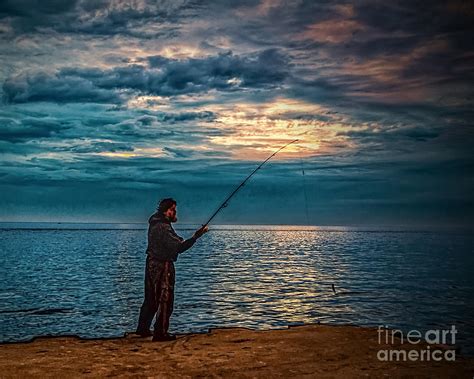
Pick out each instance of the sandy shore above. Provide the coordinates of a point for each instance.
(305, 352)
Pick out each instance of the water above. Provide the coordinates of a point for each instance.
(87, 279)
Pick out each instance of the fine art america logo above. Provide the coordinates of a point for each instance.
(432, 337)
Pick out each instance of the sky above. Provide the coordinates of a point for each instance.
(109, 106)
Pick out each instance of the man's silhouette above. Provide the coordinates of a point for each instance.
(164, 246)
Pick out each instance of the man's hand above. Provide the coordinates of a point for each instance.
(198, 233)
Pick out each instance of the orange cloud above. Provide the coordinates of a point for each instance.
(332, 31)
(386, 72)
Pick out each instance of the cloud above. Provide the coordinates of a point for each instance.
(34, 10)
(184, 153)
(99, 147)
(30, 128)
(55, 88)
(184, 116)
(265, 67)
(93, 17)
(224, 72)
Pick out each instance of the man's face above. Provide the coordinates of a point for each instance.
(170, 214)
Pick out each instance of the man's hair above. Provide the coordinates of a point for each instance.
(165, 204)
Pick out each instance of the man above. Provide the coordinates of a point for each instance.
(164, 246)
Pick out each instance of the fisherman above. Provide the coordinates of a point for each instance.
(164, 246)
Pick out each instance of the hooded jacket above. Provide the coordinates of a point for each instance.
(163, 242)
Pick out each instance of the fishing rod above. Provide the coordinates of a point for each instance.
(226, 201)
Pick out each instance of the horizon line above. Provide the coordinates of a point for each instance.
(417, 228)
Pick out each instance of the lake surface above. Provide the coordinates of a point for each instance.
(87, 279)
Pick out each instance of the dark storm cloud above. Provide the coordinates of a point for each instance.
(29, 128)
(269, 66)
(55, 88)
(427, 18)
(95, 17)
(167, 77)
(32, 12)
(421, 133)
(173, 77)
(99, 147)
(184, 116)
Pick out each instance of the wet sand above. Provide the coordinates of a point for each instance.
(304, 352)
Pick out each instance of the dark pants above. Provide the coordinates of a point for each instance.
(159, 296)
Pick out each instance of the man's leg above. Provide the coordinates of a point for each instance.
(166, 302)
(150, 306)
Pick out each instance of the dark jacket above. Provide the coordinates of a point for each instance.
(163, 242)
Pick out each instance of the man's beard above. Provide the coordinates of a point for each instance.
(172, 218)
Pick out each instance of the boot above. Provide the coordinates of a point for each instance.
(144, 333)
(163, 337)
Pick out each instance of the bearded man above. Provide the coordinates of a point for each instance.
(164, 246)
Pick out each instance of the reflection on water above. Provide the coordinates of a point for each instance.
(90, 282)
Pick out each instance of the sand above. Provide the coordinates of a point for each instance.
(309, 351)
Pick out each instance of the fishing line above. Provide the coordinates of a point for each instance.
(304, 191)
(307, 213)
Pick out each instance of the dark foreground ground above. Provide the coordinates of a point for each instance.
(304, 352)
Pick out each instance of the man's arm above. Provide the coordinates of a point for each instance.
(173, 243)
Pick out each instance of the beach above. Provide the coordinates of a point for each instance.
(303, 351)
